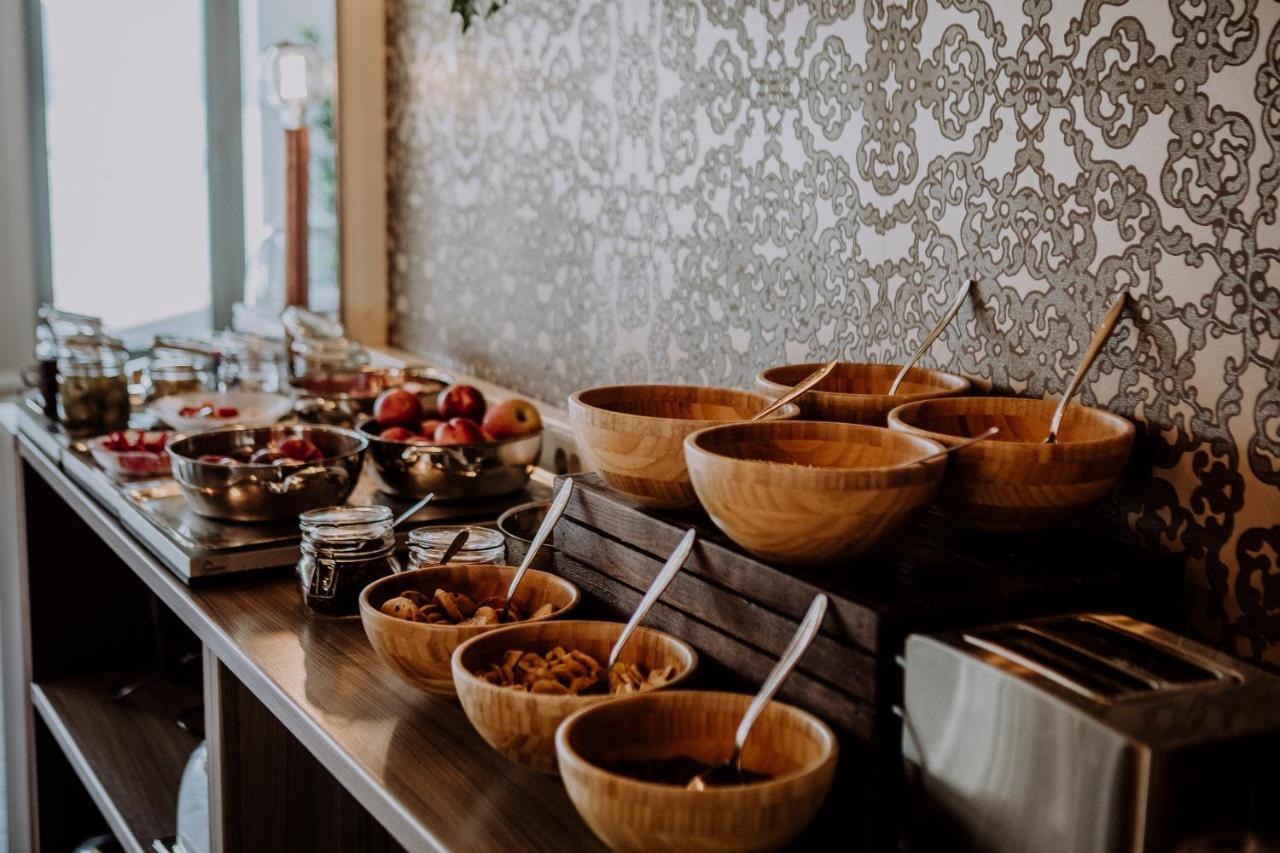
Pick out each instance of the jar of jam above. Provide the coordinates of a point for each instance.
(344, 549)
(484, 546)
(93, 384)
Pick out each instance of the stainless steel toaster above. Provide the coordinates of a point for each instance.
(1087, 732)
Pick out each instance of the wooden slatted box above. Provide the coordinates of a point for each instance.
(739, 612)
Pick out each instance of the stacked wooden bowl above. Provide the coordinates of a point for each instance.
(796, 749)
(1015, 482)
(420, 652)
(633, 434)
(858, 393)
(811, 493)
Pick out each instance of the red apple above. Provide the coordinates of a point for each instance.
(511, 418)
(461, 401)
(459, 431)
(427, 429)
(398, 433)
(301, 450)
(397, 407)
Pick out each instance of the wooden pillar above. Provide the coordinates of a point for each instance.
(297, 159)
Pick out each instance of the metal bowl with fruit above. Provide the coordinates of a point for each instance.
(345, 398)
(266, 473)
(457, 447)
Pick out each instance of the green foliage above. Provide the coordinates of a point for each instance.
(468, 10)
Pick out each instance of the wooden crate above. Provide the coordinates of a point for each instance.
(739, 612)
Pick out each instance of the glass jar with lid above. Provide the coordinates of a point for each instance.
(169, 376)
(252, 364)
(484, 546)
(344, 549)
(93, 384)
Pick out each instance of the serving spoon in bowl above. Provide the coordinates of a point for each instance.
(1100, 338)
(730, 772)
(660, 583)
(796, 390)
(937, 330)
(544, 532)
(959, 445)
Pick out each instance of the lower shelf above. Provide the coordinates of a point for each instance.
(129, 753)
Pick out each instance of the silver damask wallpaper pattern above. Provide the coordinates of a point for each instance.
(588, 191)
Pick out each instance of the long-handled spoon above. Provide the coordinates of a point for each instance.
(544, 531)
(1090, 355)
(798, 389)
(455, 545)
(731, 770)
(960, 445)
(659, 586)
(932, 336)
(412, 511)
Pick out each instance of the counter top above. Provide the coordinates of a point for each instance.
(412, 760)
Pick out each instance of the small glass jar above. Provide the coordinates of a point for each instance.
(344, 549)
(169, 376)
(484, 546)
(252, 365)
(93, 385)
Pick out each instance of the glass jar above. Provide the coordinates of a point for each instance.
(344, 549)
(253, 365)
(169, 376)
(484, 546)
(53, 328)
(93, 384)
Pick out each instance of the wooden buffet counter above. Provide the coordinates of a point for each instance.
(313, 743)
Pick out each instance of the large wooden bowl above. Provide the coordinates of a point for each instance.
(1013, 482)
(794, 747)
(522, 725)
(811, 492)
(419, 652)
(858, 393)
(632, 434)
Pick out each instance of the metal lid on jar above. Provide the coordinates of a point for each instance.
(438, 538)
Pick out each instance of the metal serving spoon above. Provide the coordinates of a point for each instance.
(544, 531)
(932, 336)
(455, 545)
(983, 436)
(660, 583)
(730, 772)
(412, 511)
(798, 389)
(1090, 355)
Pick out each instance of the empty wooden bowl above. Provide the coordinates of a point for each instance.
(859, 393)
(633, 433)
(796, 749)
(522, 725)
(811, 492)
(419, 652)
(1012, 481)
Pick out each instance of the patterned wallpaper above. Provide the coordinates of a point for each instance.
(591, 191)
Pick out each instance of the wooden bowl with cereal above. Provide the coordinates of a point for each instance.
(517, 684)
(415, 619)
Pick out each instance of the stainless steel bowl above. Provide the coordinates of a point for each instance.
(344, 399)
(518, 526)
(249, 492)
(451, 471)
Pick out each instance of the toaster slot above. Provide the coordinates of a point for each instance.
(1060, 662)
(1130, 651)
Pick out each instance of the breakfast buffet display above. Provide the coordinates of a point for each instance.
(811, 497)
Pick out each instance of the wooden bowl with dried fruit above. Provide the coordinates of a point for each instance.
(517, 684)
(415, 619)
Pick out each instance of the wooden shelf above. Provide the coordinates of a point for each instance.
(128, 753)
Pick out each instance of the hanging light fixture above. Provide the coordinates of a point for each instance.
(294, 79)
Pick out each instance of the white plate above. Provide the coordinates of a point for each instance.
(255, 409)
